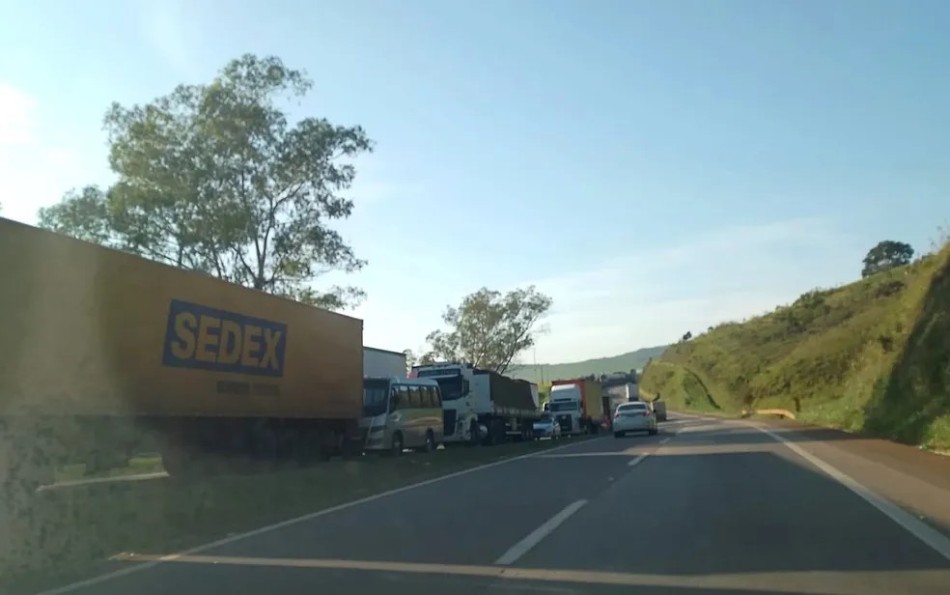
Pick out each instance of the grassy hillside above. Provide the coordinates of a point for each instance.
(633, 360)
(871, 356)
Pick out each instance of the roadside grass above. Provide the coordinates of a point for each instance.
(872, 356)
(678, 386)
(70, 533)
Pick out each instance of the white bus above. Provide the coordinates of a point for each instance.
(400, 413)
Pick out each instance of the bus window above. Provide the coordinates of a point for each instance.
(427, 396)
(436, 397)
(375, 396)
(426, 392)
(415, 398)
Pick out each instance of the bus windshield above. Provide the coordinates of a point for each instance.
(375, 397)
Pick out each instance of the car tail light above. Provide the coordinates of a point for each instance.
(646, 414)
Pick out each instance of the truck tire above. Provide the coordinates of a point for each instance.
(473, 433)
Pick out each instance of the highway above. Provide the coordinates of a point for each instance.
(706, 506)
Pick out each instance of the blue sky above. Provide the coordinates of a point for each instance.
(656, 167)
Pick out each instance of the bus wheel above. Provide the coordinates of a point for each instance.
(430, 441)
(397, 444)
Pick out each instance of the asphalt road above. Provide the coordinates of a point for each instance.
(706, 506)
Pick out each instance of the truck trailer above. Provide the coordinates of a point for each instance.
(481, 406)
(577, 405)
(107, 354)
(382, 363)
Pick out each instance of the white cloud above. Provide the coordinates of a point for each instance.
(655, 297)
(35, 170)
(638, 300)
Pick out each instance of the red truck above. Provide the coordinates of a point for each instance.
(577, 405)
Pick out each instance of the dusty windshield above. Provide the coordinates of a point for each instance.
(451, 387)
(375, 397)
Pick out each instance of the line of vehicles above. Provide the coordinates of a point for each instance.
(108, 355)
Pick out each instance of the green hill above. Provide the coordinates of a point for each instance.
(633, 360)
(872, 356)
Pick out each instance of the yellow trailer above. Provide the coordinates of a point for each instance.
(104, 351)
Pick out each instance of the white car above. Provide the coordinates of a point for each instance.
(547, 427)
(634, 417)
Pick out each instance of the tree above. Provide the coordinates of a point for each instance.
(82, 214)
(687, 336)
(411, 360)
(215, 178)
(886, 255)
(488, 330)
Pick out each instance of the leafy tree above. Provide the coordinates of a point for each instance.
(82, 214)
(886, 255)
(489, 329)
(215, 178)
(687, 336)
(411, 359)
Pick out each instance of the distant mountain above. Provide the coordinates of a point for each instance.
(633, 360)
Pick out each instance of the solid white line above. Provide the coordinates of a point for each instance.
(521, 548)
(300, 519)
(927, 534)
(665, 440)
(636, 460)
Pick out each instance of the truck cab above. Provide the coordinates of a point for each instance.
(578, 405)
(482, 406)
(459, 417)
(566, 404)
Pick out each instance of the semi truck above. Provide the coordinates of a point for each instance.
(577, 405)
(106, 354)
(481, 406)
(381, 363)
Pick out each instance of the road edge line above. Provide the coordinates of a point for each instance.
(95, 580)
(534, 538)
(922, 531)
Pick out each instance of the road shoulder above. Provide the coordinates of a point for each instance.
(916, 480)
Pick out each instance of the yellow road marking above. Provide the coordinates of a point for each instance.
(818, 582)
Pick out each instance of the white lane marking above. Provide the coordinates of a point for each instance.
(636, 460)
(300, 519)
(665, 440)
(521, 548)
(930, 536)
